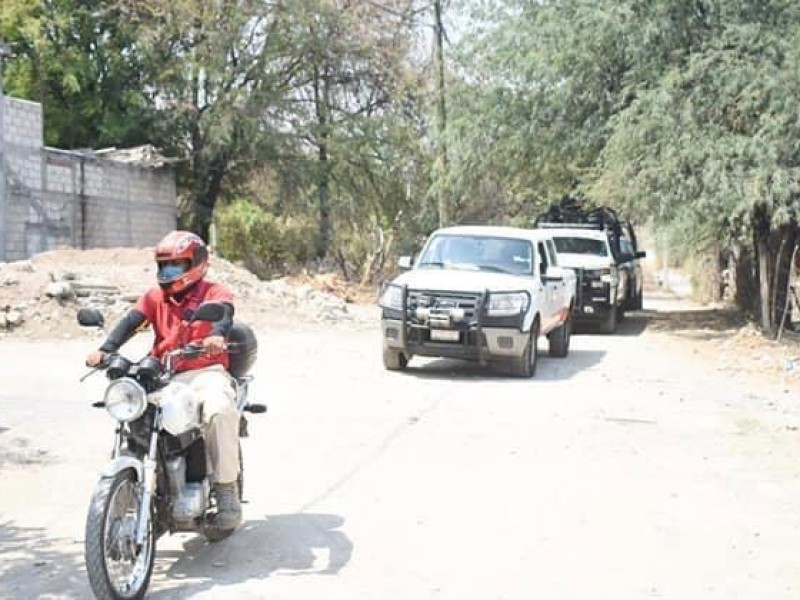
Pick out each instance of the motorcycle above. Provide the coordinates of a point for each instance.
(156, 479)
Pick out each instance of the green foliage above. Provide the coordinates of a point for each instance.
(325, 115)
(266, 243)
(78, 58)
(681, 111)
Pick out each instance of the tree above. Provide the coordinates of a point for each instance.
(350, 73)
(716, 137)
(80, 61)
(216, 68)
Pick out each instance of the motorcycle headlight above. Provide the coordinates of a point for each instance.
(125, 400)
(180, 409)
(392, 298)
(505, 305)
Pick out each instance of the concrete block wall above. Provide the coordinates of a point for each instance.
(61, 198)
(22, 142)
(127, 205)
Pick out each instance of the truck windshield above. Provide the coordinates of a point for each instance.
(478, 253)
(579, 245)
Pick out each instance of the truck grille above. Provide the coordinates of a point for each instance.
(445, 301)
(585, 291)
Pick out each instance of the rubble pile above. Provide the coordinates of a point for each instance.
(40, 297)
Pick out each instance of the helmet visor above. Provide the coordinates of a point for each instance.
(168, 272)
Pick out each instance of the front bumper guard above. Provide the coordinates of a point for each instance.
(481, 339)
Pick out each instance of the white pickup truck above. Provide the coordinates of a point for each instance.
(479, 293)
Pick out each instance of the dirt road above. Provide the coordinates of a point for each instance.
(635, 469)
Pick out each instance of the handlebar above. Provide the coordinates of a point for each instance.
(189, 351)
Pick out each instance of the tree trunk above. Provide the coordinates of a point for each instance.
(322, 104)
(443, 199)
(761, 231)
(765, 317)
(209, 178)
(745, 278)
(324, 240)
(782, 273)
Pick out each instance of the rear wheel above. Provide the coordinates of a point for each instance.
(394, 360)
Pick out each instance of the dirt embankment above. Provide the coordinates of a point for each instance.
(39, 298)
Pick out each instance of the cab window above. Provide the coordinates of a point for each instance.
(542, 258)
(553, 254)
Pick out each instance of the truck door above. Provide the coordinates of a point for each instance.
(562, 292)
(549, 298)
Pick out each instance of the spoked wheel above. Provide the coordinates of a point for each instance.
(117, 568)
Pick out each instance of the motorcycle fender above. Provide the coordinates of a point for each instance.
(121, 463)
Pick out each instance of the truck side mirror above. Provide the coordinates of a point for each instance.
(554, 274)
(404, 262)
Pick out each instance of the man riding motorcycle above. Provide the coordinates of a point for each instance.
(182, 262)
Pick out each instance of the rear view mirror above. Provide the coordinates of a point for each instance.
(640, 254)
(90, 317)
(404, 262)
(210, 311)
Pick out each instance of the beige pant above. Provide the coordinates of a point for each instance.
(214, 388)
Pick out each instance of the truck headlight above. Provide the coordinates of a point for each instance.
(609, 276)
(392, 298)
(504, 305)
(125, 400)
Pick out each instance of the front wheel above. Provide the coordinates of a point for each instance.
(560, 337)
(609, 324)
(394, 360)
(637, 302)
(118, 569)
(525, 365)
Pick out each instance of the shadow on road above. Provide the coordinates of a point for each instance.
(548, 369)
(288, 545)
(634, 323)
(674, 318)
(701, 324)
(20, 452)
(33, 565)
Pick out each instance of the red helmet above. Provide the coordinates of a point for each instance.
(181, 246)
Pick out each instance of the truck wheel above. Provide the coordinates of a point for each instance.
(559, 339)
(637, 301)
(525, 365)
(609, 324)
(394, 360)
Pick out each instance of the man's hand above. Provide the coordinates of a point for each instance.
(214, 344)
(96, 358)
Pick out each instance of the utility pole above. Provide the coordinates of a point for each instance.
(5, 50)
(443, 195)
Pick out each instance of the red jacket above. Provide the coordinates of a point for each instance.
(169, 319)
